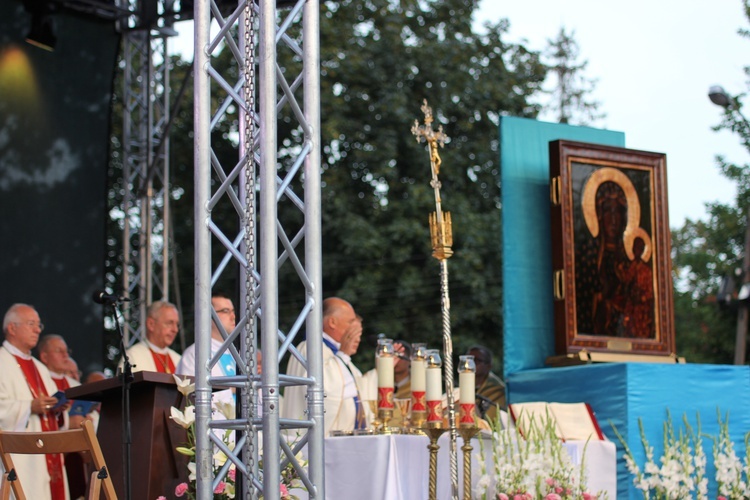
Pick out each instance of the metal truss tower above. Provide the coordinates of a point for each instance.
(268, 193)
(145, 217)
(272, 186)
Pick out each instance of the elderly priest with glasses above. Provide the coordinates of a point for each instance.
(27, 402)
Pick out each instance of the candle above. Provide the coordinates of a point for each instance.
(418, 368)
(384, 367)
(434, 386)
(418, 377)
(466, 390)
(466, 379)
(384, 357)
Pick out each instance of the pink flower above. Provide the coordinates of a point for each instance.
(558, 490)
(180, 490)
(589, 496)
(553, 496)
(502, 496)
(232, 474)
(284, 491)
(721, 498)
(162, 497)
(549, 481)
(220, 487)
(519, 497)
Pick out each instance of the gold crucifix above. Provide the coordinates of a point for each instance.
(440, 223)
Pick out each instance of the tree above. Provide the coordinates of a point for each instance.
(571, 89)
(379, 61)
(705, 251)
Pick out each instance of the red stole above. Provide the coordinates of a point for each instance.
(163, 362)
(61, 383)
(49, 423)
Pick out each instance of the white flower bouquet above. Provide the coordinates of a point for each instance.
(530, 467)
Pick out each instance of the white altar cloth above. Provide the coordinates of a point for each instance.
(396, 467)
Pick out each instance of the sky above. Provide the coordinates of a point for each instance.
(654, 61)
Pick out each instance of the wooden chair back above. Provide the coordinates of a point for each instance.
(38, 443)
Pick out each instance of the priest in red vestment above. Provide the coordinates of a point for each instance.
(153, 353)
(27, 402)
(54, 353)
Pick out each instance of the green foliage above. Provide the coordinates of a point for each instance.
(571, 89)
(705, 251)
(379, 61)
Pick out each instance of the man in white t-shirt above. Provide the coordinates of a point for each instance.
(226, 366)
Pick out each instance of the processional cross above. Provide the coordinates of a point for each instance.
(440, 222)
(441, 234)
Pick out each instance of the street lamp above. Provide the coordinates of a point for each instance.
(719, 97)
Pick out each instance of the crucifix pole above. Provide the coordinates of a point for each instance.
(441, 235)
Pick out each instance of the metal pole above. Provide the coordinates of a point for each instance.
(314, 243)
(743, 311)
(202, 174)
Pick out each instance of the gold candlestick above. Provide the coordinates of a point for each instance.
(434, 431)
(467, 433)
(376, 423)
(418, 418)
(385, 415)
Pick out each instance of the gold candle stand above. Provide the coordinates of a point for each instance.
(467, 433)
(418, 419)
(433, 433)
(385, 415)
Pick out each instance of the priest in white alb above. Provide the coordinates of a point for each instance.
(153, 353)
(27, 403)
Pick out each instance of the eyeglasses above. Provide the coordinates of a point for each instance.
(226, 310)
(62, 351)
(31, 324)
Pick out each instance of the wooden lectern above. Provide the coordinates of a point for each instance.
(156, 468)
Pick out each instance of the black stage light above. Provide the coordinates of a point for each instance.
(42, 32)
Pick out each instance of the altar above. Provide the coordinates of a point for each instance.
(396, 467)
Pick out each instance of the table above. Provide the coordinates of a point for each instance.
(396, 467)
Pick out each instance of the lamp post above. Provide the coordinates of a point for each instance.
(719, 97)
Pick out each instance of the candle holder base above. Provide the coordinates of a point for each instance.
(467, 431)
(384, 416)
(418, 418)
(433, 430)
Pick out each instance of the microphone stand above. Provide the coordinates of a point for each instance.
(126, 377)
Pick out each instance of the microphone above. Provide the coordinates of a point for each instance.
(102, 297)
(485, 401)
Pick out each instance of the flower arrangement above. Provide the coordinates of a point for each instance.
(680, 472)
(226, 488)
(534, 466)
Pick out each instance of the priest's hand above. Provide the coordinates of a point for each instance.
(350, 339)
(42, 404)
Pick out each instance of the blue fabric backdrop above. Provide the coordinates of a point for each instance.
(622, 393)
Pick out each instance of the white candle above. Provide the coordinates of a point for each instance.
(434, 384)
(418, 374)
(466, 387)
(384, 367)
